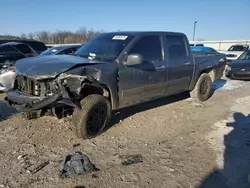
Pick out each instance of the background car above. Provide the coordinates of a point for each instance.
(12, 51)
(239, 69)
(62, 50)
(202, 49)
(235, 51)
(9, 53)
(35, 45)
(48, 46)
(196, 44)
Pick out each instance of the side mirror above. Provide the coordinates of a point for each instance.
(133, 59)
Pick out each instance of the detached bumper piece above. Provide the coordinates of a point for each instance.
(28, 103)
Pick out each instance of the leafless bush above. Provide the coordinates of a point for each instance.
(63, 37)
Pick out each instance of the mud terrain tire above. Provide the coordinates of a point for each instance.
(202, 90)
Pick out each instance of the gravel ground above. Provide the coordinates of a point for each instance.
(182, 145)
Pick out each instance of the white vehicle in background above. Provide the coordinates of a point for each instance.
(10, 52)
(7, 76)
(235, 51)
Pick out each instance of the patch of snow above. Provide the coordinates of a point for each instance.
(227, 84)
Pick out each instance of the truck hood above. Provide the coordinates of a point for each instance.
(240, 64)
(42, 67)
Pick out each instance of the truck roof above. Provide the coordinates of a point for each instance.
(143, 33)
(11, 43)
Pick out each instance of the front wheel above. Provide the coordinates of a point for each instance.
(202, 90)
(94, 116)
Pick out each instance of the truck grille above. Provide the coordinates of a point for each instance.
(27, 85)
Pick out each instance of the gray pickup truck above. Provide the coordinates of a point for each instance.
(112, 71)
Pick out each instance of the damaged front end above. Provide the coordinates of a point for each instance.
(48, 94)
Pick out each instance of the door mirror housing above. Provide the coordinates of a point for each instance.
(133, 59)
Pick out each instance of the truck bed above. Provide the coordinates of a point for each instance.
(212, 60)
(201, 57)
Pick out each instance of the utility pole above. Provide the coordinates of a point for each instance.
(194, 30)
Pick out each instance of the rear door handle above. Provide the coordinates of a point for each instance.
(161, 67)
(187, 63)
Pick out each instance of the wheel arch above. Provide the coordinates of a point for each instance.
(97, 88)
(208, 70)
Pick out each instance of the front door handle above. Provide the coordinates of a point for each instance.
(161, 67)
(187, 63)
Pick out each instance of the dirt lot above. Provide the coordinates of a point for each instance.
(182, 145)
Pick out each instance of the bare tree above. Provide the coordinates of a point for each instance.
(23, 36)
(31, 36)
(42, 36)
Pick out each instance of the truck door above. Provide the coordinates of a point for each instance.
(180, 63)
(139, 83)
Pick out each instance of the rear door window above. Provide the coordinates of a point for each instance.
(7, 49)
(37, 46)
(149, 48)
(25, 50)
(176, 47)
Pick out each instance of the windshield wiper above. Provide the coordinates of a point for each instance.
(100, 58)
(83, 56)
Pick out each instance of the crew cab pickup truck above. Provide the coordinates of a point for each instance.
(112, 71)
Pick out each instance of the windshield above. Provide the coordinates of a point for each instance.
(105, 47)
(245, 56)
(52, 51)
(237, 48)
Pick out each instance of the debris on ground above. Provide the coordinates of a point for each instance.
(39, 167)
(4, 186)
(77, 164)
(79, 186)
(197, 105)
(24, 160)
(76, 145)
(28, 164)
(94, 176)
(131, 159)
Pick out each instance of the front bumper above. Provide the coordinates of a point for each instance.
(238, 74)
(28, 103)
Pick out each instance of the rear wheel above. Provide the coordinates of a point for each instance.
(202, 90)
(94, 116)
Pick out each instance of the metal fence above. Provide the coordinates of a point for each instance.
(221, 45)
